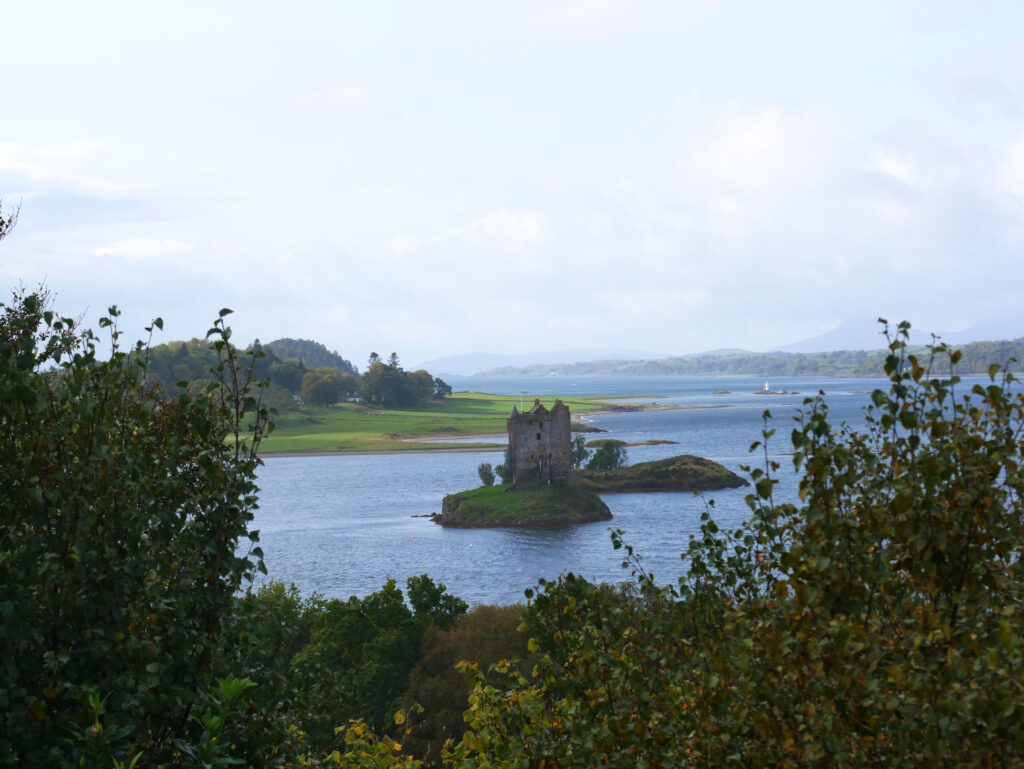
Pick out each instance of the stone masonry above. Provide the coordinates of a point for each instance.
(539, 445)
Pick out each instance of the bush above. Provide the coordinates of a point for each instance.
(611, 455)
(486, 473)
(121, 513)
(484, 636)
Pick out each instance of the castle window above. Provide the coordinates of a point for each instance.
(538, 436)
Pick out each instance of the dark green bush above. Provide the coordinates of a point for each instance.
(121, 515)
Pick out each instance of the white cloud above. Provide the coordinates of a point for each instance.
(143, 248)
(341, 98)
(506, 229)
(1012, 171)
(571, 13)
(68, 164)
(898, 167)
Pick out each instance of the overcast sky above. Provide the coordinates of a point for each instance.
(446, 177)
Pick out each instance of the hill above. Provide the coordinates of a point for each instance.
(313, 354)
(976, 358)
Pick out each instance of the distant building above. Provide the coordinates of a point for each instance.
(539, 445)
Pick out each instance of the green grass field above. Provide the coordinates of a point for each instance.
(354, 427)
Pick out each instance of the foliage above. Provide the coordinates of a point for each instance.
(506, 470)
(121, 515)
(441, 388)
(320, 389)
(387, 385)
(484, 635)
(878, 622)
(611, 455)
(7, 222)
(578, 452)
(486, 473)
(502, 505)
(680, 473)
(269, 627)
(361, 652)
(310, 354)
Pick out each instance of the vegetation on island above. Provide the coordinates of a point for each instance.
(681, 473)
(498, 506)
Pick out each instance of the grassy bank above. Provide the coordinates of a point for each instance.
(352, 427)
(496, 506)
(681, 473)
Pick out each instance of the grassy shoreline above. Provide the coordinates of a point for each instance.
(355, 428)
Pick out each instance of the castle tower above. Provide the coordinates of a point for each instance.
(539, 445)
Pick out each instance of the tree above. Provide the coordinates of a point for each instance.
(288, 374)
(506, 470)
(421, 384)
(362, 651)
(441, 388)
(320, 389)
(122, 512)
(393, 361)
(486, 473)
(578, 452)
(610, 455)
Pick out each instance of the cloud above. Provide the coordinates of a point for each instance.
(143, 248)
(506, 229)
(67, 164)
(1012, 170)
(572, 13)
(579, 15)
(353, 99)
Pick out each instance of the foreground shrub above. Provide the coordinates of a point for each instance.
(439, 692)
(121, 513)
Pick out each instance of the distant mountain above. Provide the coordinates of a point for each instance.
(856, 334)
(986, 331)
(976, 358)
(866, 334)
(472, 363)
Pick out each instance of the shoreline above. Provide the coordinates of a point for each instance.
(371, 452)
(425, 440)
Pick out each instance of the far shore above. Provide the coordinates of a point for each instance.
(360, 453)
(428, 444)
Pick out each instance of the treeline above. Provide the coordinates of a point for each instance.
(298, 371)
(976, 359)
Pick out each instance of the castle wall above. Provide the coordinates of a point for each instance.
(539, 445)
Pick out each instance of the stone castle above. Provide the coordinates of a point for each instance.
(539, 445)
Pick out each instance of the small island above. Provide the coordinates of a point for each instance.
(682, 473)
(546, 491)
(504, 506)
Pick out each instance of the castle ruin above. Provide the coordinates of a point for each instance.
(539, 445)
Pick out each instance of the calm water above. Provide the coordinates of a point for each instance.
(343, 525)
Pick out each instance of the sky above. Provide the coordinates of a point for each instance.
(516, 176)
